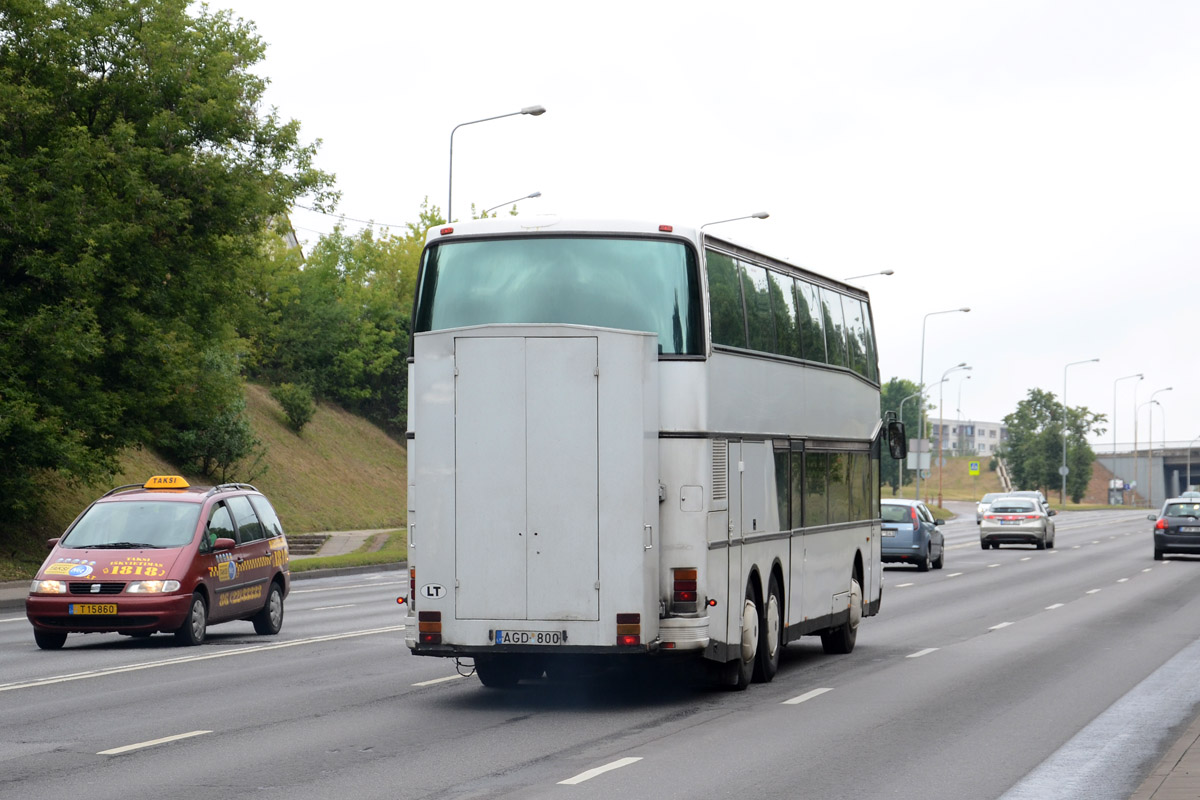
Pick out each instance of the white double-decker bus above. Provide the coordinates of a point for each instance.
(634, 439)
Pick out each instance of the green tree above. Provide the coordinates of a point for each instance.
(891, 393)
(1034, 449)
(137, 178)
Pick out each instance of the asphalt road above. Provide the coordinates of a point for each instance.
(1031, 673)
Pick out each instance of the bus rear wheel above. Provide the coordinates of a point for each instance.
(770, 637)
(737, 674)
(840, 640)
(498, 672)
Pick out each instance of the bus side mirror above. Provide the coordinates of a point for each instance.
(897, 443)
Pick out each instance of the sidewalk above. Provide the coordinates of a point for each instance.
(1177, 776)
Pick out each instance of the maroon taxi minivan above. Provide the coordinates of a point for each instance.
(163, 557)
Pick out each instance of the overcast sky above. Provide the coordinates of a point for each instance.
(1036, 161)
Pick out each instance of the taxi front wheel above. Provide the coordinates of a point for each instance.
(192, 631)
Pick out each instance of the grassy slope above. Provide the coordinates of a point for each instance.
(339, 473)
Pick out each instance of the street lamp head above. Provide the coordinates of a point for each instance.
(888, 272)
(760, 215)
(533, 111)
(965, 309)
(755, 215)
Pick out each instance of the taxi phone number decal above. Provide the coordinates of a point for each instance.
(241, 596)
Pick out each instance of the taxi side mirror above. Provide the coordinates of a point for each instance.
(51, 542)
(224, 543)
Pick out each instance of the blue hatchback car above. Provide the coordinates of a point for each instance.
(911, 535)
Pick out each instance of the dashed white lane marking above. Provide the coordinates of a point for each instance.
(440, 680)
(954, 574)
(795, 701)
(1092, 591)
(920, 653)
(116, 751)
(1027, 558)
(15, 619)
(998, 627)
(1147, 569)
(902, 585)
(166, 662)
(1056, 605)
(330, 608)
(992, 566)
(591, 773)
(1122, 580)
(1076, 547)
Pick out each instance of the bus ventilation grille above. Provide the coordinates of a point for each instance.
(720, 469)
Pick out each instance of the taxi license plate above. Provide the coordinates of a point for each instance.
(1189, 529)
(529, 637)
(92, 608)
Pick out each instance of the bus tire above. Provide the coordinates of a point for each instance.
(840, 640)
(498, 672)
(736, 675)
(770, 635)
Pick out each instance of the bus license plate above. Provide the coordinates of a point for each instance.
(529, 637)
(92, 608)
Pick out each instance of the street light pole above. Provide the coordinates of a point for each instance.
(870, 275)
(902, 402)
(958, 418)
(1139, 376)
(1062, 498)
(533, 111)
(512, 202)
(755, 215)
(921, 382)
(942, 425)
(1189, 463)
(1150, 455)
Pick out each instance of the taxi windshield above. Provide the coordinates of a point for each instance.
(141, 523)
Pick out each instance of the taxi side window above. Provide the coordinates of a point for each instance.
(220, 524)
(270, 520)
(248, 526)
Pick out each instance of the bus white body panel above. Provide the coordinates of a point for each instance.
(534, 439)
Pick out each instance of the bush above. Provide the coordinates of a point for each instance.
(220, 447)
(297, 403)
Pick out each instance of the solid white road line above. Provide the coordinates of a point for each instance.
(353, 586)
(100, 673)
(15, 619)
(330, 608)
(795, 701)
(440, 680)
(591, 773)
(920, 653)
(141, 745)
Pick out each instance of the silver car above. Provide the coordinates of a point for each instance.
(1017, 520)
(984, 503)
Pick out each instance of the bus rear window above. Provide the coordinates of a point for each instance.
(628, 284)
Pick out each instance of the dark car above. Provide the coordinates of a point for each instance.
(163, 556)
(911, 535)
(1177, 528)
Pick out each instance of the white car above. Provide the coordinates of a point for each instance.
(983, 505)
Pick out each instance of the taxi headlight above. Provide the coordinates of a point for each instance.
(152, 587)
(48, 587)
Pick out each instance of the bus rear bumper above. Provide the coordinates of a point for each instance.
(682, 634)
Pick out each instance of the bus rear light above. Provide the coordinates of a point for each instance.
(429, 627)
(684, 590)
(629, 629)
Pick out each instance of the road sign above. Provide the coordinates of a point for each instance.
(924, 473)
(1063, 470)
(973, 467)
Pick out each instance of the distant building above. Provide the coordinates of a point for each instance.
(968, 437)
